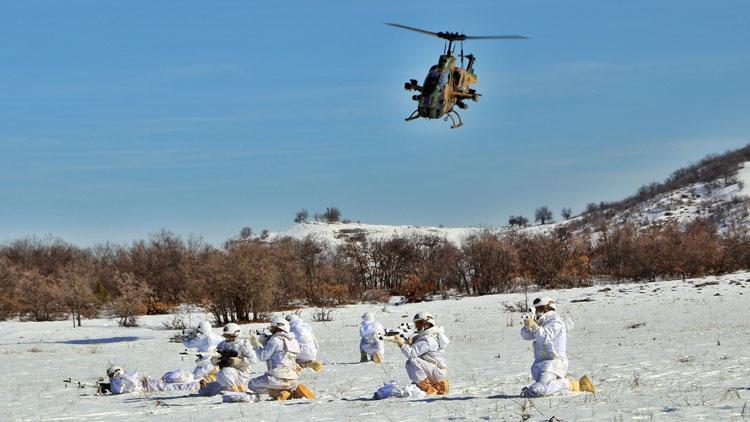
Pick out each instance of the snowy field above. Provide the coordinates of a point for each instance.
(659, 351)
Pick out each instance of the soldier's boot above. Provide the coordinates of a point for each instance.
(238, 388)
(363, 357)
(211, 376)
(586, 384)
(574, 385)
(280, 395)
(302, 392)
(442, 387)
(376, 358)
(316, 365)
(427, 387)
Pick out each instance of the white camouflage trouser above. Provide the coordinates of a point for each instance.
(265, 382)
(547, 382)
(372, 347)
(159, 385)
(307, 353)
(203, 367)
(419, 369)
(232, 376)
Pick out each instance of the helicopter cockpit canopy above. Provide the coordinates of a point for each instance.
(431, 101)
(436, 81)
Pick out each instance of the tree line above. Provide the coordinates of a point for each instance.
(249, 277)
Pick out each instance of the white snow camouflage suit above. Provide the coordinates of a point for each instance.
(425, 356)
(280, 354)
(203, 344)
(308, 345)
(240, 374)
(369, 342)
(550, 366)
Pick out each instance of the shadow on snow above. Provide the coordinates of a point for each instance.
(101, 340)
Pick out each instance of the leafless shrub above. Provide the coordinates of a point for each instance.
(731, 393)
(519, 306)
(177, 322)
(35, 350)
(636, 382)
(322, 315)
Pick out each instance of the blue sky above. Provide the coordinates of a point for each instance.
(121, 118)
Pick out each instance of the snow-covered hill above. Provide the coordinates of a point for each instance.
(337, 233)
(725, 200)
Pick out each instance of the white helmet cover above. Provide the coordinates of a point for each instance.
(546, 300)
(292, 318)
(204, 328)
(231, 329)
(424, 316)
(114, 370)
(368, 316)
(280, 323)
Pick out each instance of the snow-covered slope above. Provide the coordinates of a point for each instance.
(723, 200)
(337, 233)
(661, 351)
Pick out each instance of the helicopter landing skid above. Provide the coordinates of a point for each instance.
(453, 121)
(412, 116)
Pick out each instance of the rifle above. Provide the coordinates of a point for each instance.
(404, 331)
(200, 355)
(223, 356)
(101, 386)
(527, 313)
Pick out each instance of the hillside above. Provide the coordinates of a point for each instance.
(724, 201)
(717, 188)
(337, 233)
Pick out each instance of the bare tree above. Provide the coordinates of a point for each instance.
(566, 213)
(332, 215)
(132, 299)
(518, 220)
(78, 293)
(301, 216)
(246, 233)
(543, 214)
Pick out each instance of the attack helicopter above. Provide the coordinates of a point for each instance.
(447, 85)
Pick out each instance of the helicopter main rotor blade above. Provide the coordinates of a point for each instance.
(496, 37)
(435, 34)
(455, 36)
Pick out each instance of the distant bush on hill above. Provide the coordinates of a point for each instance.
(710, 168)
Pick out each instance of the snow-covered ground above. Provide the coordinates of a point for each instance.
(669, 350)
(335, 234)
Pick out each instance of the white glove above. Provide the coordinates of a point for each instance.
(531, 324)
(255, 342)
